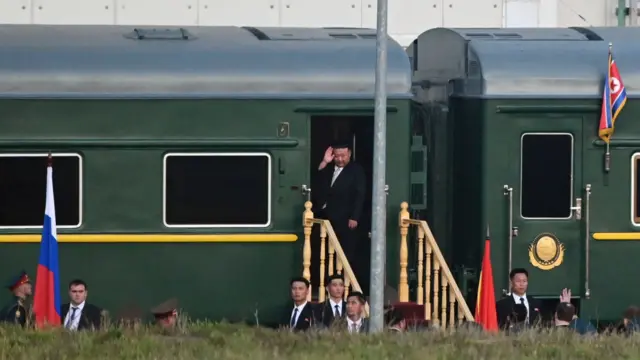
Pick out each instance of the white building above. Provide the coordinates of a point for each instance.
(407, 18)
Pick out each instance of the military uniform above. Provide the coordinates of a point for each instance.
(16, 311)
(165, 314)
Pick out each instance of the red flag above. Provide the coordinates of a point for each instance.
(486, 314)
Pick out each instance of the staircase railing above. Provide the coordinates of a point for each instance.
(329, 247)
(437, 289)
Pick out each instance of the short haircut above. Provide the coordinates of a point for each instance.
(341, 144)
(393, 317)
(334, 277)
(565, 311)
(359, 296)
(300, 279)
(77, 282)
(518, 271)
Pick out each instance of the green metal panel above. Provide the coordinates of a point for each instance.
(501, 160)
(611, 262)
(568, 274)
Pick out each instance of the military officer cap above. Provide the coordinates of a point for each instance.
(165, 309)
(21, 278)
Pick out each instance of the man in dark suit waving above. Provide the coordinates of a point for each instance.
(83, 316)
(341, 195)
(506, 307)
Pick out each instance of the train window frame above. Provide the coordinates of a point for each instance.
(80, 187)
(571, 185)
(635, 216)
(226, 154)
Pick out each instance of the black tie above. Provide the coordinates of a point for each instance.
(293, 318)
(73, 316)
(525, 306)
(337, 312)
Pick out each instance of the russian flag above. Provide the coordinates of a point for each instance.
(46, 304)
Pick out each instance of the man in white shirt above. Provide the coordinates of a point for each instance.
(506, 307)
(78, 314)
(356, 322)
(334, 307)
(340, 198)
(300, 316)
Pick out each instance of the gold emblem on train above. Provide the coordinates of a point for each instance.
(546, 252)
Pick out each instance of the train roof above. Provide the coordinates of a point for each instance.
(537, 63)
(93, 61)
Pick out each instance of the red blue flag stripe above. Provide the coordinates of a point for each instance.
(47, 292)
(614, 98)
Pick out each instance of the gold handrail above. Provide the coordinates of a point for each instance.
(342, 265)
(442, 277)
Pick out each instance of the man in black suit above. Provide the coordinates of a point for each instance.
(356, 322)
(340, 197)
(299, 317)
(83, 316)
(505, 307)
(334, 307)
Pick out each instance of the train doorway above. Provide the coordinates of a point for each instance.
(358, 131)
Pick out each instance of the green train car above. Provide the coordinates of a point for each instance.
(183, 157)
(518, 111)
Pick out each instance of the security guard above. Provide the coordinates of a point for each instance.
(166, 314)
(16, 311)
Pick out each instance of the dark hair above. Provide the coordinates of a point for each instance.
(300, 279)
(393, 317)
(518, 271)
(358, 295)
(565, 311)
(77, 282)
(334, 277)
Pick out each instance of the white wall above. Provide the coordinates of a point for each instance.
(407, 18)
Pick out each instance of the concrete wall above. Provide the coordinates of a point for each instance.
(407, 18)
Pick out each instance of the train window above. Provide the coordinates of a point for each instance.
(635, 189)
(23, 190)
(217, 190)
(546, 175)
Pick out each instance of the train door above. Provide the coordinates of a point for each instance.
(544, 194)
(358, 131)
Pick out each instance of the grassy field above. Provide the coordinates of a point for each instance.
(223, 341)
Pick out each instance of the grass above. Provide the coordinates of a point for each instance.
(225, 341)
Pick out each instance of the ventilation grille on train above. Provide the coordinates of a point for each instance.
(338, 33)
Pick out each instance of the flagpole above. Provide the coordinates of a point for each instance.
(607, 154)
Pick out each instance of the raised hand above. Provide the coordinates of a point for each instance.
(565, 296)
(328, 155)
